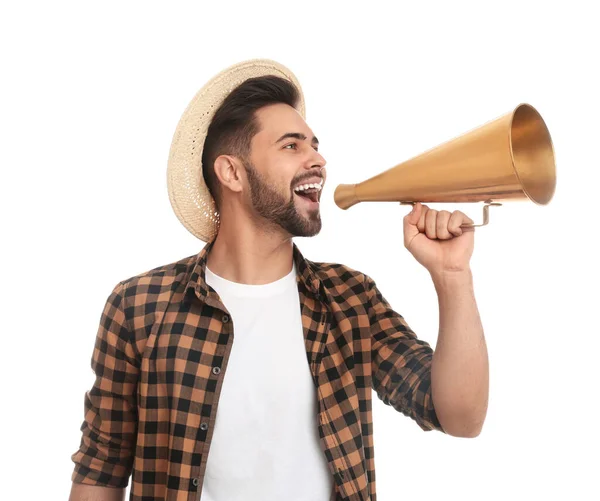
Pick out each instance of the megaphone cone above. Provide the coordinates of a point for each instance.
(508, 158)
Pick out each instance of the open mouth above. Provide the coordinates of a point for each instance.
(312, 196)
(309, 192)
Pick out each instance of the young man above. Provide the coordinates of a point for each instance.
(245, 372)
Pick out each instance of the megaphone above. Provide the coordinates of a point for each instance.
(509, 158)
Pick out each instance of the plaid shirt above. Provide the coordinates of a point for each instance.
(161, 353)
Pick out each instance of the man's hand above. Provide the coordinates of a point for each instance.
(437, 241)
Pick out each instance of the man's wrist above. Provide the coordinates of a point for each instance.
(447, 280)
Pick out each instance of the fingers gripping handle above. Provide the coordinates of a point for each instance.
(486, 214)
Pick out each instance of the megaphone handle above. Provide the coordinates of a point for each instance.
(486, 214)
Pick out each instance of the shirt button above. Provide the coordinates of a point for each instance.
(225, 319)
(216, 370)
(204, 426)
(196, 481)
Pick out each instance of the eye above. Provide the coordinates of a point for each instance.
(295, 146)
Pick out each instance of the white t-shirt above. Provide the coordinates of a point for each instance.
(265, 444)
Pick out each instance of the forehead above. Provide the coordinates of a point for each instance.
(277, 119)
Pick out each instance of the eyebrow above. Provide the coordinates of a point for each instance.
(297, 135)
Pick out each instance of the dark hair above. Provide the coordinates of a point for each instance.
(234, 123)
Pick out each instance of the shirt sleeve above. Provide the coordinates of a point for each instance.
(105, 455)
(401, 363)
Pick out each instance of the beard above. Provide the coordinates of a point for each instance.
(276, 209)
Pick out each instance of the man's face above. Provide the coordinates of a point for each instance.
(284, 157)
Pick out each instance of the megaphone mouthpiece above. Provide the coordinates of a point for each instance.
(345, 196)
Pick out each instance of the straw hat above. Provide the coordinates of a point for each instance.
(188, 193)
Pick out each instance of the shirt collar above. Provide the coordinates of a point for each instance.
(197, 285)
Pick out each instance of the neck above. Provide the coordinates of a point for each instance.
(246, 254)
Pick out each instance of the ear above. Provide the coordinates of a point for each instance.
(230, 172)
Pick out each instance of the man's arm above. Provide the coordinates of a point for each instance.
(400, 362)
(82, 492)
(459, 373)
(105, 456)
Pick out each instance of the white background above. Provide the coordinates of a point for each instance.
(90, 97)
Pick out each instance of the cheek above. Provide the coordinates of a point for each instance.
(282, 180)
(280, 172)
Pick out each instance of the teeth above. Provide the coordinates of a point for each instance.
(303, 187)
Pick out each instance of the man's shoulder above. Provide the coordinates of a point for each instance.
(337, 274)
(164, 274)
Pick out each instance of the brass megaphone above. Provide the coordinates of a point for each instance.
(509, 158)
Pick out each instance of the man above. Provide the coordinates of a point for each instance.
(245, 372)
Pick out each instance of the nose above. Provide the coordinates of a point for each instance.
(315, 160)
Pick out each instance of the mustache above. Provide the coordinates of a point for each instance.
(310, 176)
(300, 180)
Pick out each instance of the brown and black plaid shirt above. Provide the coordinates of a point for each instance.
(161, 353)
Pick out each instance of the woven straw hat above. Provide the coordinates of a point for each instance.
(188, 193)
